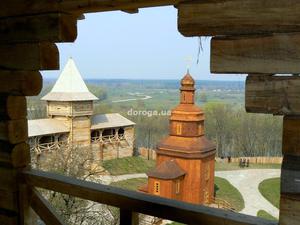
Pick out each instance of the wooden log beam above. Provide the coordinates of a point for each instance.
(16, 156)
(13, 107)
(8, 179)
(9, 200)
(27, 83)
(14, 131)
(139, 202)
(21, 7)
(291, 135)
(234, 17)
(36, 56)
(8, 217)
(278, 95)
(274, 54)
(52, 27)
(43, 208)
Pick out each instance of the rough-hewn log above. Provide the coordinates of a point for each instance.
(275, 54)
(232, 17)
(13, 107)
(290, 174)
(8, 217)
(21, 7)
(37, 56)
(291, 135)
(289, 209)
(43, 208)
(139, 202)
(9, 200)
(128, 217)
(53, 27)
(8, 179)
(28, 83)
(14, 155)
(14, 131)
(277, 95)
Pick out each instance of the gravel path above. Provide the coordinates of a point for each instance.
(246, 181)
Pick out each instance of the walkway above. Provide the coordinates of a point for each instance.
(246, 181)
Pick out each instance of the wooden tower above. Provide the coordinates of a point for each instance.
(71, 101)
(185, 159)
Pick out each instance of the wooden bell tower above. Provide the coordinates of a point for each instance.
(185, 159)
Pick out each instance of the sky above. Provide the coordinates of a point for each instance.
(146, 45)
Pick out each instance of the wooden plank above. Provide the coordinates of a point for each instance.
(14, 131)
(43, 208)
(16, 156)
(128, 217)
(9, 200)
(53, 27)
(139, 202)
(12, 107)
(21, 7)
(28, 83)
(34, 56)
(278, 95)
(289, 209)
(274, 54)
(8, 179)
(291, 135)
(8, 217)
(290, 175)
(233, 17)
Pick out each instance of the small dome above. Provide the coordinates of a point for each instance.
(187, 80)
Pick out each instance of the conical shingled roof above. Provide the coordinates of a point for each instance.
(70, 86)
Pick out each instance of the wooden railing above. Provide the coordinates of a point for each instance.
(108, 138)
(50, 146)
(129, 202)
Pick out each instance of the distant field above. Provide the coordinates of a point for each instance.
(270, 189)
(219, 166)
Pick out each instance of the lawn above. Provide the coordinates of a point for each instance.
(265, 215)
(128, 165)
(225, 191)
(219, 166)
(270, 189)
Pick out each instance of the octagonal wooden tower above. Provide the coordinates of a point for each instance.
(185, 159)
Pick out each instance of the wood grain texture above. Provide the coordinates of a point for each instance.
(14, 131)
(53, 27)
(278, 95)
(291, 135)
(138, 202)
(21, 7)
(290, 175)
(12, 107)
(37, 56)
(27, 83)
(16, 156)
(274, 54)
(8, 179)
(43, 208)
(9, 200)
(289, 209)
(8, 218)
(233, 17)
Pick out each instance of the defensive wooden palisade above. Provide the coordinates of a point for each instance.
(28, 31)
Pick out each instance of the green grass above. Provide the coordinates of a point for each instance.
(270, 189)
(219, 166)
(128, 165)
(224, 190)
(130, 184)
(265, 215)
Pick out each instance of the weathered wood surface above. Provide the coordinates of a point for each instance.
(8, 179)
(274, 54)
(16, 156)
(277, 95)
(138, 202)
(53, 27)
(13, 107)
(9, 200)
(36, 56)
(21, 7)
(27, 83)
(8, 217)
(233, 17)
(14, 131)
(291, 135)
(43, 208)
(289, 209)
(290, 175)
(128, 217)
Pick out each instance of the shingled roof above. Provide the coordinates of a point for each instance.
(167, 170)
(70, 86)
